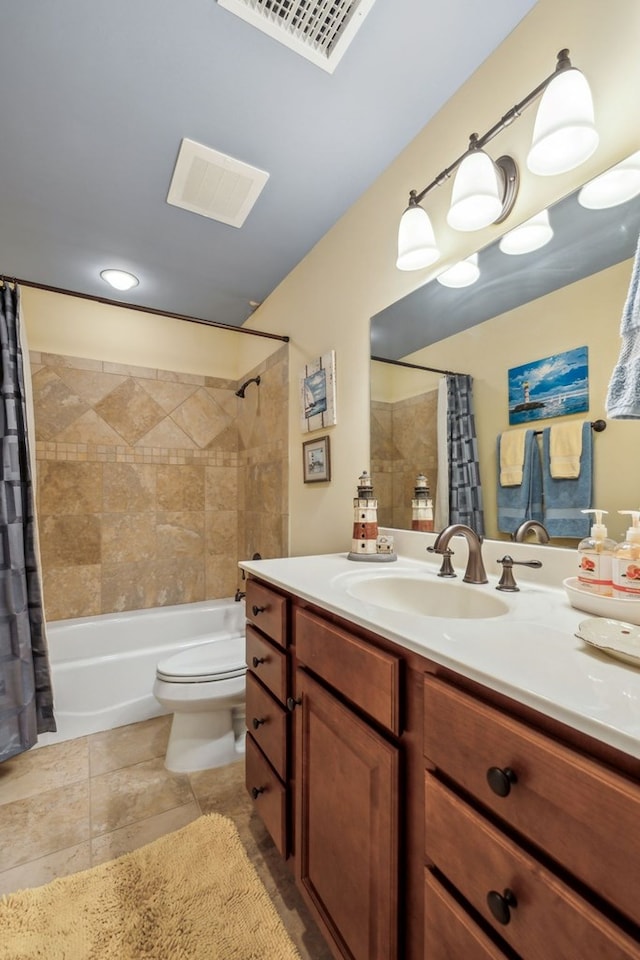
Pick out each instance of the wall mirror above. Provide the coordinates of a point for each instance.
(523, 307)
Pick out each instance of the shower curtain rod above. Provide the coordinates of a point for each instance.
(141, 309)
(418, 366)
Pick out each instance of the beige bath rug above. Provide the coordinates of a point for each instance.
(191, 895)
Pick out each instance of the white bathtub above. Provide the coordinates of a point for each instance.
(103, 667)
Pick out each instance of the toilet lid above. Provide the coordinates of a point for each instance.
(215, 660)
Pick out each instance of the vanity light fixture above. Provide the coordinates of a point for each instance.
(614, 186)
(484, 190)
(461, 274)
(119, 279)
(528, 236)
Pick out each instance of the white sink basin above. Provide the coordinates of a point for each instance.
(427, 598)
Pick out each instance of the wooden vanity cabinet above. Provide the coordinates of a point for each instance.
(347, 765)
(268, 719)
(425, 816)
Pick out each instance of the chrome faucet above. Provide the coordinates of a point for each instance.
(540, 530)
(475, 572)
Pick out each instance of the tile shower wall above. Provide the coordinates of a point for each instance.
(403, 444)
(144, 477)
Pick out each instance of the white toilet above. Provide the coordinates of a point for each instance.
(204, 687)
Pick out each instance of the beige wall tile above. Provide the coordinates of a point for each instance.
(180, 487)
(72, 592)
(90, 385)
(180, 534)
(221, 488)
(70, 541)
(221, 532)
(67, 487)
(201, 418)
(128, 537)
(129, 487)
(182, 582)
(55, 405)
(167, 434)
(89, 428)
(223, 577)
(128, 586)
(167, 394)
(130, 411)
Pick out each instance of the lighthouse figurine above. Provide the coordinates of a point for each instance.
(365, 543)
(422, 506)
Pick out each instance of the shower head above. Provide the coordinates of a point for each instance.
(240, 391)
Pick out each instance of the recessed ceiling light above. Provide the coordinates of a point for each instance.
(119, 279)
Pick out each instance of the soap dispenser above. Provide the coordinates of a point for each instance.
(595, 556)
(626, 561)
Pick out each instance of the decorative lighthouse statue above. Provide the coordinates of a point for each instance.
(422, 506)
(365, 543)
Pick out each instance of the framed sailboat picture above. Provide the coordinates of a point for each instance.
(318, 393)
(553, 387)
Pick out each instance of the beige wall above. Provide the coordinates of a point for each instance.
(326, 302)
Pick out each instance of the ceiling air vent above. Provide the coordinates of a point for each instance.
(320, 30)
(214, 185)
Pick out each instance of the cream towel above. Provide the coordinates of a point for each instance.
(512, 457)
(565, 450)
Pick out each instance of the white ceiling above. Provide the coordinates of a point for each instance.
(96, 98)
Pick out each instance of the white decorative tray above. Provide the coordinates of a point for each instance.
(626, 610)
(613, 637)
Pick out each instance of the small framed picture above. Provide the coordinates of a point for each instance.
(316, 460)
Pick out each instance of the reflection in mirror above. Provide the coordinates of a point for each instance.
(545, 309)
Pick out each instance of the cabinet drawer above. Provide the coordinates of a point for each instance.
(269, 795)
(449, 931)
(267, 662)
(267, 723)
(368, 677)
(582, 814)
(268, 610)
(548, 919)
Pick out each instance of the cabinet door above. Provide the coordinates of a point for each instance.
(346, 842)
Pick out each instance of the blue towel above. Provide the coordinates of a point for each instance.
(565, 499)
(623, 395)
(523, 502)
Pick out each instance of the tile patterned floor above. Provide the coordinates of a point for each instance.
(70, 806)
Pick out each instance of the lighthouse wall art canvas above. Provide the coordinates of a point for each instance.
(553, 387)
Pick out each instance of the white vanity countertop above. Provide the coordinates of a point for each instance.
(530, 653)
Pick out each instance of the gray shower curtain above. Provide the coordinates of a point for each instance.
(465, 489)
(26, 697)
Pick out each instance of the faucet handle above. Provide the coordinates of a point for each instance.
(507, 580)
(446, 568)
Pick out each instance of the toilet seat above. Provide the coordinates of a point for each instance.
(215, 660)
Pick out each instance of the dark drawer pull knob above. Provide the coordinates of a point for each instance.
(255, 610)
(292, 703)
(501, 780)
(257, 661)
(256, 791)
(501, 905)
(256, 723)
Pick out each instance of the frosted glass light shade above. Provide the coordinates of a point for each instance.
(119, 279)
(564, 133)
(461, 274)
(530, 235)
(476, 198)
(614, 186)
(416, 240)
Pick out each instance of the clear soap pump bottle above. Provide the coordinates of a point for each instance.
(595, 559)
(626, 561)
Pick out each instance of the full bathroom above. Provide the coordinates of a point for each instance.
(170, 481)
